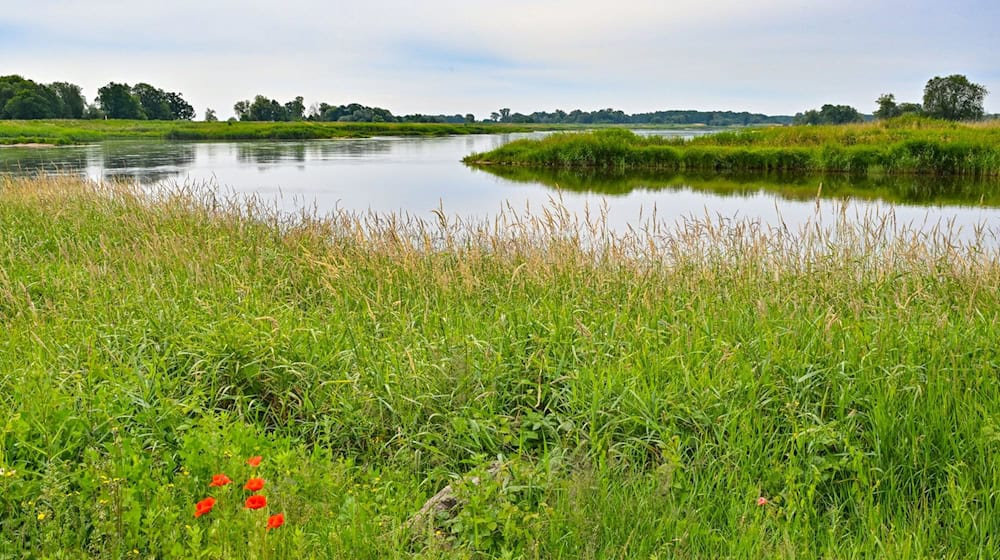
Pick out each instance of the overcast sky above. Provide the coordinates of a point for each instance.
(461, 56)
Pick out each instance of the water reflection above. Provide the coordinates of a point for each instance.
(415, 176)
(32, 161)
(912, 189)
(146, 162)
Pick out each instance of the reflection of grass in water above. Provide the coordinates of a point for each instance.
(911, 189)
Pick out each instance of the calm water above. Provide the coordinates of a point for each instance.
(417, 175)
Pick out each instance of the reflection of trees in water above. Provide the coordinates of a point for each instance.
(909, 189)
(32, 161)
(146, 162)
(278, 152)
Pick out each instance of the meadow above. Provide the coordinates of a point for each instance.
(63, 132)
(705, 389)
(905, 145)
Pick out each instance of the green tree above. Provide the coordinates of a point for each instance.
(180, 109)
(210, 115)
(153, 100)
(118, 102)
(28, 104)
(829, 114)
(295, 109)
(71, 99)
(954, 98)
(242, 110)
(887, 107)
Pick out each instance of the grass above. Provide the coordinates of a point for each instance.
(907, 145)
(62, 132)
(642, 391)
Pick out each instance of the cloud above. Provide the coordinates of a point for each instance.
(448, 56)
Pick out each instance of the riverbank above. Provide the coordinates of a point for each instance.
(752, 392)
(62, 132)
(905, 145)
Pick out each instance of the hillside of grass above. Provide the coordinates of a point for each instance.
(700, 390)
(62, 132)
(906, 145)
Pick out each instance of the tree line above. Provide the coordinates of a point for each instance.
(21, 98)
(952, 98)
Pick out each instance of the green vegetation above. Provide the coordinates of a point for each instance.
(26, 99)
(951, 98)
(907, 145)
(643, 392)
(906, 189)
(82, 131)
(829, 114)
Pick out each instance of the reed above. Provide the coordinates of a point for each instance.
(907, 145)
(642, 390)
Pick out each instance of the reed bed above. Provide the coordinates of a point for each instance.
(697, 389)
(906, 145)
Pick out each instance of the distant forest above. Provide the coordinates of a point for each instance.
(25, 99)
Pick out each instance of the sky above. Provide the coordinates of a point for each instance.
(469, 56)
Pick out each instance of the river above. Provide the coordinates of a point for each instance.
(415, 176)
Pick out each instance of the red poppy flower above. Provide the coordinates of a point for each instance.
(254, 461)
(275, 521)
(254, 484)
(762, 501)
(219, 480)
(204, 506)
(256, 502)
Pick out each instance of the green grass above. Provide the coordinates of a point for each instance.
(61, 132)
(642, 391)
(906, 145)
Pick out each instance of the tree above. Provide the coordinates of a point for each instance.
(954, 98)
(210, 115)
(27, 104)
(829, 114)
(887, 107)
(153, 100)
(242, 110)
(504, 114)
(470, 118)
(118, 102)
(295, 109)
(71, 99)
(180, 109)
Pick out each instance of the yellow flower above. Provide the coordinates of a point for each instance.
(41, 515)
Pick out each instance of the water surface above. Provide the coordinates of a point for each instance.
(417, 175)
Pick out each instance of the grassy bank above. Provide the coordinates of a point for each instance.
(902, 146)
(61, 132)
(642, 393)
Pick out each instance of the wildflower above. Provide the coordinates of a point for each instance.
(275, 521)
(761, 501)
(204, 506)
(41, 516)
(254, 484)
(254, 461)
(256, 502)
(219, 480)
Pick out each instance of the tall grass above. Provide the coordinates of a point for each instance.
(902, 146)
(641, 390)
